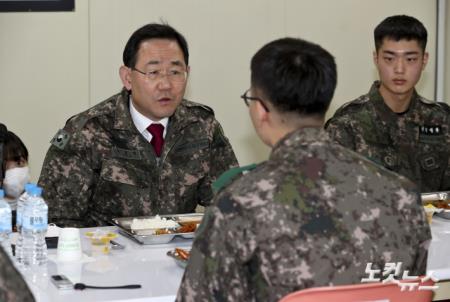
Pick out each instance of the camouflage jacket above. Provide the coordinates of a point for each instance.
(313, 215)
(99, 166)
(415, 144)
(12, 286)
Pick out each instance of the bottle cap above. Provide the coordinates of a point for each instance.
(28, 187)
(36, 191)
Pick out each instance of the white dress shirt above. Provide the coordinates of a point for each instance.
(142, 122)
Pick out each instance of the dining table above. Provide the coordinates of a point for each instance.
(147, 265)
(160, 275)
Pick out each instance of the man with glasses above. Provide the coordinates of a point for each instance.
(313, 214)
(144, 151)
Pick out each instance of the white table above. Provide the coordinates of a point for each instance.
(160, 276)
(439, 256)
(147, 265)
(439, 252)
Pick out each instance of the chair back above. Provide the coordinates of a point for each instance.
(366, 292)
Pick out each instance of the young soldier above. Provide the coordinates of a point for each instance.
(392, 125)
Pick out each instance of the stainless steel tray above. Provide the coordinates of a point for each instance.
(178, 260)
(444, 214)
(147, 236)
(435, 196)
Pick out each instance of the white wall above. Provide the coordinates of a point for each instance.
(44, 74)
(55, 65)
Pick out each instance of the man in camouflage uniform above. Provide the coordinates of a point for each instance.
(315, 213)
(393, 125)
(12, 286)
(101, 165)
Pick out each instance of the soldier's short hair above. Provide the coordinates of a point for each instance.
(400, 27)
(152, 31)
(295, 75)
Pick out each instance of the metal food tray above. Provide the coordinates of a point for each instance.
(443, 214)
(147, 236)
(178, 260)
(435, 196)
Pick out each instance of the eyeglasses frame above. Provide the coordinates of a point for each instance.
(165, 74)
(247, 98)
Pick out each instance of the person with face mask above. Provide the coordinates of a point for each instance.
(14, 167)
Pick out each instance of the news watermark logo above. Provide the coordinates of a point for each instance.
(393, 273)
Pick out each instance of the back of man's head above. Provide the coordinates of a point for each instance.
(295, 76)
(148, 32)
(400, 27)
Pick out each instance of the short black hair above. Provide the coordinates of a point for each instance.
(152, 31)
(296, 75)
(14, 148)
(400, 27)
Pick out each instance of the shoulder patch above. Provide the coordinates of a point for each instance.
(60, 139)
(63, 136)
(229, 176)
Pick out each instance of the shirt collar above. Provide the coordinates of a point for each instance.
(375, 95)
(142, 122)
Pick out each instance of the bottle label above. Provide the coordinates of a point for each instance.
(37, 223)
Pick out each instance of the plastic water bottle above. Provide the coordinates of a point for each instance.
(5, 224)
(34, 228)
(19, 213)
(21, 203)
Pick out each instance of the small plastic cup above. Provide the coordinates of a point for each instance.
(100, 241)
(69, 246)
(429, 211)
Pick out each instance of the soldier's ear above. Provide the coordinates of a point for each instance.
(375, 57)
(125, 76)
(425, 60)
(261, 111)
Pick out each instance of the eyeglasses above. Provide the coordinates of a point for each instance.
(173, 75)
(247, 100)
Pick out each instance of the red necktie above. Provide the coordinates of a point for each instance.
(157, 141)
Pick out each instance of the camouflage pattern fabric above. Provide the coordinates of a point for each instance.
(12, 286)
(415, 144)
(100, 167)
(313, 215)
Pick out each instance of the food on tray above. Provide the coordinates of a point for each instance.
(182, 254)
(162, 232)
(187, 228)
(145, 231)
(442, 204)
(153, 223)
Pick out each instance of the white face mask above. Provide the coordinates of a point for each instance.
(15, 180)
